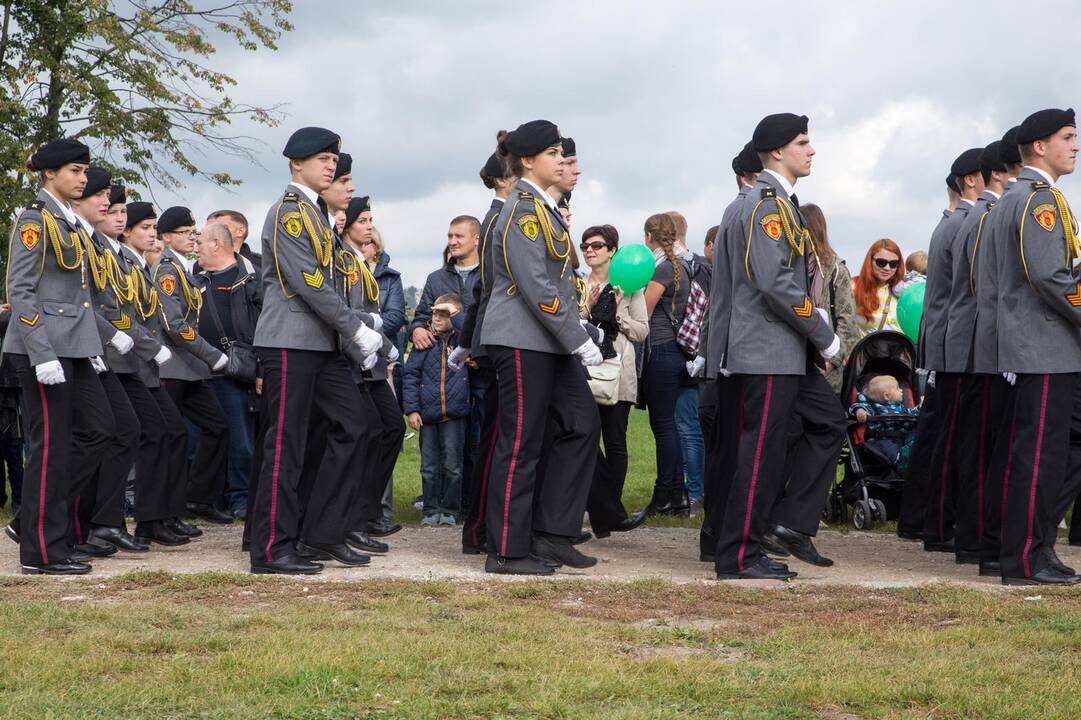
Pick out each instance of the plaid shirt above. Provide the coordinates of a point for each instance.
(689, 335)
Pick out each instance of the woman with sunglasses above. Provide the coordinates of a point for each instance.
(624, 321)
(876, 306)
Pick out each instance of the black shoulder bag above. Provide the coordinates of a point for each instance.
(243, 363)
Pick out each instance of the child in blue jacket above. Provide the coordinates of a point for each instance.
(436, 402)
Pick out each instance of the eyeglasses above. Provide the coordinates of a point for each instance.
(184, 233)
(884, 263)
(594, 246)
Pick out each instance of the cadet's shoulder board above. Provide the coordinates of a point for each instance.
(29, 234)
(1046, 215)
(771, 224)
(168, 283)
(530, 226)
(768, 192)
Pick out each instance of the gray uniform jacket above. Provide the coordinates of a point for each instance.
(961, 309)
(985, 273)
(51, 312)
(772, 316)
(534, 297)
(301, 308)
(714, 342)
(354, 289)
(936, 298)
(178, 292)
(482, 289)
(1039, 299)
(151, 322)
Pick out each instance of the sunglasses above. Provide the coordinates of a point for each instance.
(884, 263)
(594, 246)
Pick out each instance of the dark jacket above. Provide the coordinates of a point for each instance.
(391, 296)
(243, 303)
(431, 387)
(440, 282)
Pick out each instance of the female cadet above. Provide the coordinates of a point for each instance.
(533, 336)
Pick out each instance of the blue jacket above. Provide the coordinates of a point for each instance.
(430, 387)
(440, 282)
(391, 297)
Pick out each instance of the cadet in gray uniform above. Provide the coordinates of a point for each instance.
(771, 349)
(55, 348)
(297, 338)
(1039, 315)
(532, 334)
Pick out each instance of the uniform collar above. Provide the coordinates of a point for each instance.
(313, 197)
(86, 225)
(540, 193)
(64, 208)
(779, 182)
(1041, 173)
(993, 196)
(183, 262)
(970, 203)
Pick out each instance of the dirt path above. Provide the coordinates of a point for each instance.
(863, 559)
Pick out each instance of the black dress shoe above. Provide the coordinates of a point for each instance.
(990, 568)
(470, 549)
(365, 543)
(582, 537)
(967, 557)
(340, 552)
(120, 538)
(180, 527)
(10, 531)
(158, 531)
(96, 550)
(666, 501)
(288, 565)
(383, 527)
(801, 546)
(558, 549)
(210, 513)
(761, 570)
(79, 557)
(625, 525)
(516, 566)
(1046, 576)
(64, 567)
(1053, 561)
(772, 545)
(945, 546)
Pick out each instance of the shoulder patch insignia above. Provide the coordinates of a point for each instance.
(30, 321)
(124, 323)
(291, 221)
(1046, 216)
(168, 283)
(315, 279)
(771, 224)
(187, 332)
(552, 308)
(804, 310)
(1074, 298)
(30, 233)
(530, 225)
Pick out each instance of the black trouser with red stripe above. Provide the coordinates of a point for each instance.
(162, 442)
(537, 392)
(388, 432)
(939, 514)
(1000, 437)
(1044, 466)
(296, 382)
(910, 521)
(722, 456)
(474, 530)
(769, 402)
(976, 426)
(210, 466)
(66, 426)
(101, 500)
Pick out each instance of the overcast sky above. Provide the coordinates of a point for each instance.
(659, 96)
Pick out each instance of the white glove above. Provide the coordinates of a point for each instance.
(369, 340)
(922, 373)
(393, 355)
(696, 366)
(1011, 378)
(377, 322)
(825, 317)
(834, 348)
(589, 353)
(457, 356)
(221, 363)
(50, 373)
(163, 356)
(122, 342)
(931, 378)
(98, 364)
(600, 332)
(369, 362)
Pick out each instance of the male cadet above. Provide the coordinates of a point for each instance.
(99, 490)
(186, 373)
(1039, 314)
(55, 347)
(916, 491)
(304, 369)
(975, 413)
(771, 349)
(719, 431)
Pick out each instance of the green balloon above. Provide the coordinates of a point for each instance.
(631, 268)
(910, 310)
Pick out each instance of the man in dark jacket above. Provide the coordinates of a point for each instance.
(238, 228)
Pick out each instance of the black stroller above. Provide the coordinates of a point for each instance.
(871, 484)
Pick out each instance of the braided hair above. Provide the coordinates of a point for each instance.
(661, 229)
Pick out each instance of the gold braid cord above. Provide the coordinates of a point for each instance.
(580, 290)
(797, 236)
(146, 295)
(192, 297)
(98, 269)
(1069, 229)
(322, 243)
(120, 282)
(52, 229)
(371, 285)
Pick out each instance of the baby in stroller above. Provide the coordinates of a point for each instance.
(886, 437)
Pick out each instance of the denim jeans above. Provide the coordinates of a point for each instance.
(690, 435)
(664, 369)
(233, 398)
(441, 448)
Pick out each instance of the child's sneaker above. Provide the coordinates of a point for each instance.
(431, 520)
(418, 502)
(447, 519)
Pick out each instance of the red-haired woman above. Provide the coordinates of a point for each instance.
(876, 307)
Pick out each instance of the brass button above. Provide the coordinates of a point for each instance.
(60, 311)
(86, 304)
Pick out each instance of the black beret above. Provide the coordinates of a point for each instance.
(175, 217)
(532, 138)
(568, 147)
(951, 183)
(309, 141)
(117, 195)
(57, 153)
(345, 165)
(966, 163)
(775, 131)
(494, 167)
(1044, 123)
(1008, 148)
(353, 210)
(139, 211)
(991, 158)
(747, 161)
(97, 179)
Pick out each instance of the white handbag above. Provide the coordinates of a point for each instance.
(604, 381)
